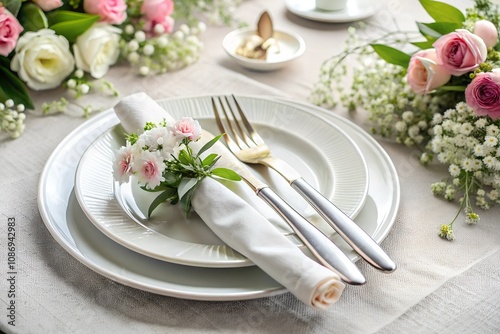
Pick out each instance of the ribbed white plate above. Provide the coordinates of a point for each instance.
(318, 149)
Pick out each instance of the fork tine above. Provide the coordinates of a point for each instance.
(233, 145)
(244, 133)
(256, 138)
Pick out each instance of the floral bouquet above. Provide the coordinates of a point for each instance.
(45, 44)
(437, 89)
(161, 160)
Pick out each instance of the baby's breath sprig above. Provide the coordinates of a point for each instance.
(12, 118)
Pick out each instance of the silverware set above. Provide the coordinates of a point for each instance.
(248, 147)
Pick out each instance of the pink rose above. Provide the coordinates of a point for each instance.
(9, 31)
(48, 5)
(483, 94)
(460, 51)
(424, 74)
(156, 14)
(487, 31)
(187, 128)
(110, 11)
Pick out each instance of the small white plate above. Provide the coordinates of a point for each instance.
(291, 46)
(355, 10)
(328, 159)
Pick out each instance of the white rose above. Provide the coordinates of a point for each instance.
(97, 49)
(42, 59)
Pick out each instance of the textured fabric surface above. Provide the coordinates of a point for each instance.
(439, 286)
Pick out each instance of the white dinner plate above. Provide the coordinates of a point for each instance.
(354, 11)
(291, 46)
(328, 159)
(69, 226)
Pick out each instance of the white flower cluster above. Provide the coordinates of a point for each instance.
(470, 146)
(12, 118)
(164, 52)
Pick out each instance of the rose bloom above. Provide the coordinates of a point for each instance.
(424, 74)
(149, 168)
(157, 13)
(48, 5)
(187, 127)
(110, 11)
(9, 31)
(97, 49)
(460, 51)
(487, 31)
(483, 94)
(42, 59)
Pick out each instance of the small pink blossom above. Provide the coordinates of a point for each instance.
(187, 128)
(483, 94)
(9, 31)
(460, 51)
(110, 11)
(487, 31)
(149, 168)
(158, 13)
(424, 74)
(122, 167)
(48, 5)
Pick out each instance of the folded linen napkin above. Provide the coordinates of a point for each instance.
(240, 225)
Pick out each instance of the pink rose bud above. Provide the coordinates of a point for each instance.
(187, 127)
(48, 5)
(424, 74)
(487, 31)
(483, 94)
(110, 11)
(157, 13)
(460, 51)
(9, 31)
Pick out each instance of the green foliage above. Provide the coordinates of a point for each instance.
(32, 18)
(392, 55)
(11, 87)
(442, 12)
(70, 24)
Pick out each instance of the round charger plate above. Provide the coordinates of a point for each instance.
(291, 46)
(70, 227)
(354, 11)
(328, 159)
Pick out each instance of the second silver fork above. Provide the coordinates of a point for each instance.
(249, 147)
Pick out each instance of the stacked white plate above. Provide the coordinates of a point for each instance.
(105, 225)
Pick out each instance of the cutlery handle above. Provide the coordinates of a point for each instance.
(354, 235)
(319, 244)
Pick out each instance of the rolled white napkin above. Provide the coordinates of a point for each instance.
(239, 225)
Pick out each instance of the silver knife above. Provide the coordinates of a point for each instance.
(321, 246)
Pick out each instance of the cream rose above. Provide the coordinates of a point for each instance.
(97, 49)
(42, 59)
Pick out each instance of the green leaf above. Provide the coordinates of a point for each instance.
(170, 178)
(442, 12)
(226, 173)
(164, 196)
(209, 144)
(184, 157)
(428, 32)
(424, 45)
(13, 6)
(186, 185)
(209, 160)
(452, 88)
(32, 17)
(443, 28)
(70, 24)
(11, 87)
(391, 55)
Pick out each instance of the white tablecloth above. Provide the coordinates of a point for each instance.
(439, 286)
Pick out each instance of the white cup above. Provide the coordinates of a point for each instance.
(331, 4)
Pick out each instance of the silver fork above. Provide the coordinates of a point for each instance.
(249, 147)
(322, 247)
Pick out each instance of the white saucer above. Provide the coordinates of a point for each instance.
(356, 10)
(290, 44)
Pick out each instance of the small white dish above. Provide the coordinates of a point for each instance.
(354, 11)
(291, 47)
